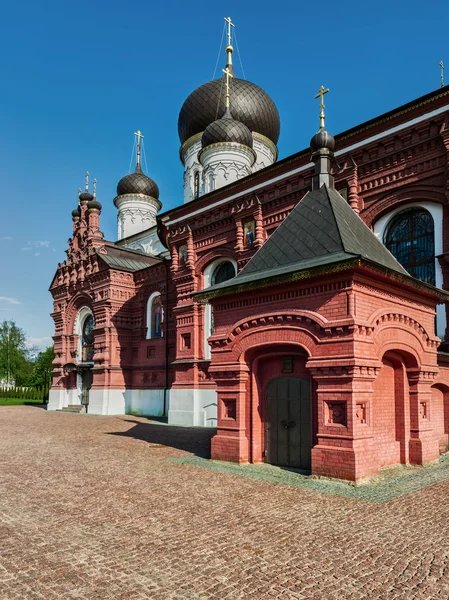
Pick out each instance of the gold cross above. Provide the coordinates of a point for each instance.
(320, 95)
(228, 74)
(442, 73)
(230, 24)
(87, 181)
(139, 136)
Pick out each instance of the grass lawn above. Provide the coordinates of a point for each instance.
(17, 401)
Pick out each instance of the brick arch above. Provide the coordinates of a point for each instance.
(73, 307)
(388, 318)
(392, 200)
(206, 259)
(274, 336)
(405, 342)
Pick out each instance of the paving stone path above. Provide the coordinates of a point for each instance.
(117, 508)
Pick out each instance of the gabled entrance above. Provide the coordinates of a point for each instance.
(288, 423)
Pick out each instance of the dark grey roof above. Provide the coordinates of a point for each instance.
(137, 183)
(250, 105)
(126, 260)
(227, 130)
(322, 229)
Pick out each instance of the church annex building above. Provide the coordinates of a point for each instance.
(298, 306)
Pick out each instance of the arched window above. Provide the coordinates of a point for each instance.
(223, 272)
(87, 339)
(155, 316)
(196, 184)
(411, 239)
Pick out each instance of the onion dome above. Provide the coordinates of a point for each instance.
(227, 129)
(250, 105)
(322, 140)
(137, 183)
(85, 197)
(76, 213)
(94, 204)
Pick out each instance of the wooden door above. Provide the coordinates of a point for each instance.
(86, 378)
(287, 423)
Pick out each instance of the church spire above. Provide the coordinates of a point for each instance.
(229, 48)
(322, 146)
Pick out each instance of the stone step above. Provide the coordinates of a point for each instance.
(72, 408)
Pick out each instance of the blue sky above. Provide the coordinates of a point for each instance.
(78, 78)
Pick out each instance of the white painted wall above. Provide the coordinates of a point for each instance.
(225, 163)
(436, 210)
(136, 212)
(149, 243)
(193, 408)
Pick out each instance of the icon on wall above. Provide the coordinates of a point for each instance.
(249, 232)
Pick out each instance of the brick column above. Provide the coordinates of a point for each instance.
(231, 443)
(344, 446)
(424, 444)
(353, 196)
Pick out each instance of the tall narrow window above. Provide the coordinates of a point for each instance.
(411, 239)
(196, 185)
(87, 339)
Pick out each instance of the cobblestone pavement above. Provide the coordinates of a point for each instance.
(91, 508)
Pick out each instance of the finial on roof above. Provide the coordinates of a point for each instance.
(87, 181)
(228, 74)
(229, 48)
(79, 194)
(320, 95)
(442, 73)
(95, 188)
(139, 136)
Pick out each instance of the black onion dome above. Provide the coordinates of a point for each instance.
(94, 204)
(322, 139)
(76, 213)
(227, 130)
(250, 105)
(85, 197)
(137, 183)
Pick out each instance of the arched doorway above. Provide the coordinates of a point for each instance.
(288, 422)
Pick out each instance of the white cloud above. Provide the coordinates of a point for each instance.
(37, 254)
(41, 343)
(6, 238)
(25, 249)
(9, 300)
(39, 243)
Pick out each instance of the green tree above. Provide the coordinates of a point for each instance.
(42, 368)
(13, 353)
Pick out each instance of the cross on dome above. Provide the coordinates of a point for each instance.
(320, 95)
(139, 136)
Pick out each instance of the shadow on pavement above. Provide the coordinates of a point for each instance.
(195, 440)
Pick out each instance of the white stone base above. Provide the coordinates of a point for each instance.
(190, 407)
(58, 399)
(148, 403)
(113, 402)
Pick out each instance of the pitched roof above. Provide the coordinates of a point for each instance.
(124, 259)
(322, 229)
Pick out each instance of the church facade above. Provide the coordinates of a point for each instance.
(298, 306)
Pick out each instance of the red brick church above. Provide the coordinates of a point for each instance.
(298, 306)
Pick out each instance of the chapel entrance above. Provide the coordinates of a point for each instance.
(86, 384)
(288, 423)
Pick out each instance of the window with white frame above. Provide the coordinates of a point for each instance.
(155, 316)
